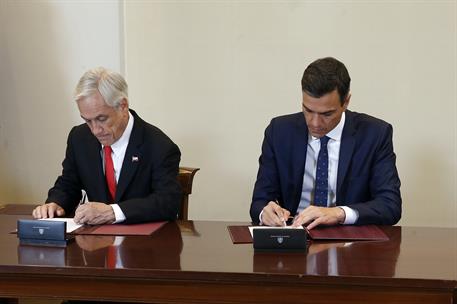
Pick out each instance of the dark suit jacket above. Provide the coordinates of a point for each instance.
(367, 178)
(147, 189)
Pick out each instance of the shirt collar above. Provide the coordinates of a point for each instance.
(123, 141)
(335, 133)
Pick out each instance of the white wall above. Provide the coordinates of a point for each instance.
(45, 48)
(212, 74)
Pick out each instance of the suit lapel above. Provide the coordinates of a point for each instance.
(346, 151)
(299, 149)
(98, 176)
(132, 157)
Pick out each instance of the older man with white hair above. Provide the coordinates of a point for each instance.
(127, 167)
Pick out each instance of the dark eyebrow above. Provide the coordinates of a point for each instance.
(322, 113)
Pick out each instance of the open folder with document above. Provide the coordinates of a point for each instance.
(109, 229)
(241, 234)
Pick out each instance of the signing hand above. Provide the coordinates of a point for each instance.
(313, 216)
(94, 213)
(274, 215)
(48, 210)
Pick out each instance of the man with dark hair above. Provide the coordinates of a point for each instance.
(327, 165)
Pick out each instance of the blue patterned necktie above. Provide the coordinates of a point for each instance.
(321, 187)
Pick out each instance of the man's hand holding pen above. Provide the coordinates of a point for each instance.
(274, 215)
(93, 213)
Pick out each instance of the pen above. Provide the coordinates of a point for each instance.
(283, 220)
(83, 200)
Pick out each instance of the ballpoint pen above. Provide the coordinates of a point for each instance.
(83, 200)
(283, 220)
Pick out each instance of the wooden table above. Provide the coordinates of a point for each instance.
(196, 262)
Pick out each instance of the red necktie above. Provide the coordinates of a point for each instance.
(109, 172)
(111, 257)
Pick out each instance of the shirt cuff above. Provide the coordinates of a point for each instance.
(118, 214)
(351, 215)
(260, 218)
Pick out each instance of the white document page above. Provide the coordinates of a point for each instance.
(71, 225)
(251, 228)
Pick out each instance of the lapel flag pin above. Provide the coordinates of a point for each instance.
(135, 159)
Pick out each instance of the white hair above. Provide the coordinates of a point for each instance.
(111, 85)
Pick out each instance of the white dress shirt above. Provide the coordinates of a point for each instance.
(118, 154)
(309, 177)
